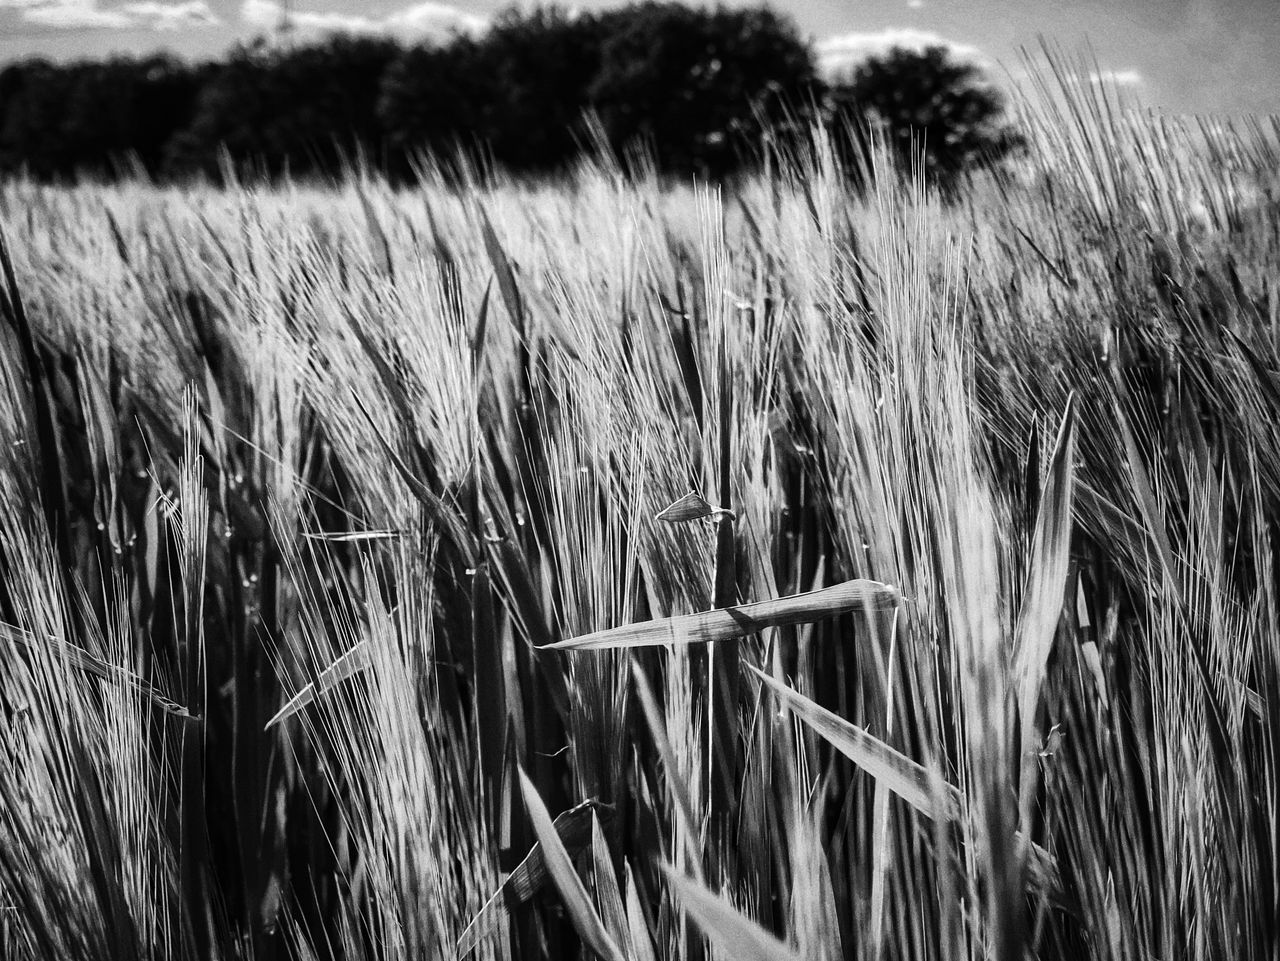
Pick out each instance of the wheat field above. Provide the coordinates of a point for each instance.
(338, 618)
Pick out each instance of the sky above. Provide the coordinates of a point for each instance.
(1179, 56)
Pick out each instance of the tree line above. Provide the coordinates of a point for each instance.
(682, 90)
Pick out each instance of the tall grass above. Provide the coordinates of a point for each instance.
(305, 494)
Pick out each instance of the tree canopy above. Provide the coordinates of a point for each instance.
(693, 88)
(305, 110)
(698, 87)
(93, 117)
(932, 108)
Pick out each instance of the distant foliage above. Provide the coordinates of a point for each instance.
(94, 117)
(690, 90)
(519, 94)
(698, 86)
(434, 100)
(305, 110)
(541, 65)
(692, 87)
(933, 109)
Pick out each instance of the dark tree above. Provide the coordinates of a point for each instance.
(930, 106)
(33, 137)
(94, 118)
(698, 86)
(544, 64)
(520, 92)
(308, 110)
(127, 111)
(695, 88)
(436, 99)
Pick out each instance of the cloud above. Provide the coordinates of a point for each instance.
(136, 15)
(267, 14)
(427, 18)
(432, 17)
(68, 14)
(842, 52)
(173, 16)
